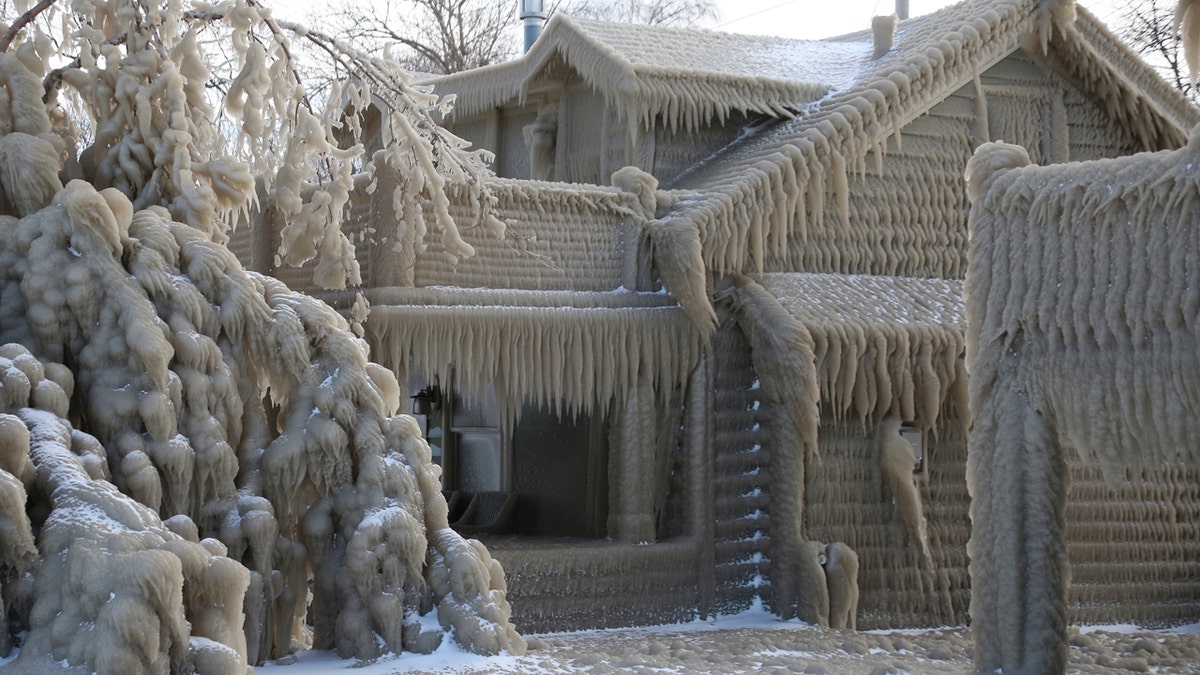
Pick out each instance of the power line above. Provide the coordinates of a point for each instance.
(754, 14)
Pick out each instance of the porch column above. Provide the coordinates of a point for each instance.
(698, 445)
(1019, 569)
(631, 466)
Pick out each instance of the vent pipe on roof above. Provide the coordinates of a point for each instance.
(533, 15)
(902, 9)
(883, 32)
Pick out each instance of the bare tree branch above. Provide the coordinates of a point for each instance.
(446, 36)
(651, 12)
(23, 21)
(1148, 26)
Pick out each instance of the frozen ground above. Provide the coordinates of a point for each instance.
(757, 642)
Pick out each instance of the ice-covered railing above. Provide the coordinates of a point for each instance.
(1084, 317)
(556, 237)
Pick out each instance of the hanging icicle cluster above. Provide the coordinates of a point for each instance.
(884, 346)
(658, 74)
(569, 358)
(1187, 24)
(1080, 272)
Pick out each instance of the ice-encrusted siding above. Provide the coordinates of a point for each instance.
(1140, 539)
(742, 475)
(575, 585)
(848, 500)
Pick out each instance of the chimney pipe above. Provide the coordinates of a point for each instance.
(902, 9)
(533, 15)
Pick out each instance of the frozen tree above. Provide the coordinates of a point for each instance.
(434, 36)
(1153, 29)
(651, 12)
(448, 36)
(200, 469)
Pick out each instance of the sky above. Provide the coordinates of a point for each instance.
(814, 19)
(802, 19)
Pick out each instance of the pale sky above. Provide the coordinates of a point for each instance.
(814, 19)
(803, 19)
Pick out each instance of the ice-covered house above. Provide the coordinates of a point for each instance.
(724, 320)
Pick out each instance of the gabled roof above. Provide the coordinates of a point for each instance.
(746, 202)
(689, 76)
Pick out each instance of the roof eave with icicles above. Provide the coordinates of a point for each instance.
(571, 352)
(882, 346)
(641, 93)
(1159, 118)
(604, 69)
(713, 97)
(743, 219)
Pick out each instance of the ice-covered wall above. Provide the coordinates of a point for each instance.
(555, 237)
(849, 499)
(1083, 336)
(856, 350)
(742, 483)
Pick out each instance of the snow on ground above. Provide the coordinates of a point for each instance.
(756, 642)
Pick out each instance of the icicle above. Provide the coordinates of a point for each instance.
(981, 106)
(896, 463)
(1187, 26)
(841, 185)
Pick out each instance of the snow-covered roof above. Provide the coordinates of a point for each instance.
(689, 76)
(749, 200)
(899, 302)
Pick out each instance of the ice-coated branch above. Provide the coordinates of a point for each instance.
(234, 446)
